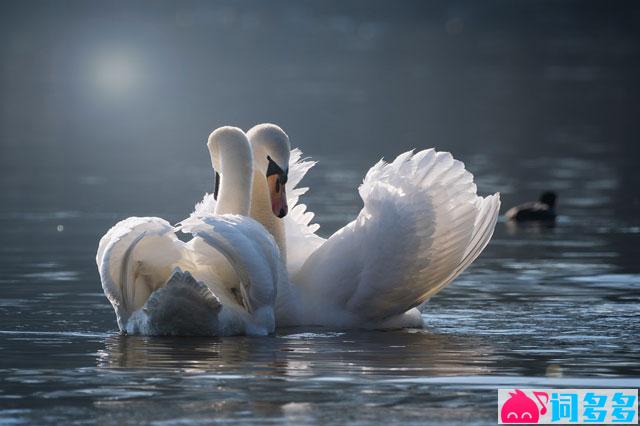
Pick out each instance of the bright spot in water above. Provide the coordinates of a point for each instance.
(116, 71)
(60, 228)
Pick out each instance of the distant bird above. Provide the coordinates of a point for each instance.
(542, 210)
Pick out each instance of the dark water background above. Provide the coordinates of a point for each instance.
(104, 110)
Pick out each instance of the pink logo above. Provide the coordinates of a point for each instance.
(519, 408)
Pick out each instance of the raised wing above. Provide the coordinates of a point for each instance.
(136, 257)
(254, 256)
(421, 225)
(141, 260)
(300, 232)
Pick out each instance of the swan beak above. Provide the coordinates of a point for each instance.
(278, 194)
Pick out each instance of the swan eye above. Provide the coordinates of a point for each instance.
(216, 185)
(526, 413)
(512, 415)
(274, 169)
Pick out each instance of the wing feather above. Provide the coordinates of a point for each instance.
(299, 229)
(135, 257)
(206, 207)
(254, 256)
(421, 225)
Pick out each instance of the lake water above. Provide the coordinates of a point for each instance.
(540, 307)
(530, 103)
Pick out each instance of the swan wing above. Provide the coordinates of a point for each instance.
(136, 257)
(206, 207)
(182, 307)
(301, 238)
(254, 256)
(421, 225)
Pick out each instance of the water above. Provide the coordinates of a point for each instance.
(541, 306)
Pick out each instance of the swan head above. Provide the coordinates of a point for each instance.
(271, 148)
(229, 149)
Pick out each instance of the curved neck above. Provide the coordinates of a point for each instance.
(262, 212)
(236, 168)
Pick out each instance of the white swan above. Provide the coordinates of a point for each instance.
(222, 282)
(421, 225)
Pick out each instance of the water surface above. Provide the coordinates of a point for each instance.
(541, 307)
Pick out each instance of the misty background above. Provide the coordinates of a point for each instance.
(108, 103)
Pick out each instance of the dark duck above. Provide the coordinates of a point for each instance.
(542, 210)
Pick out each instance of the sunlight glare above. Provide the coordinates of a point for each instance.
(115, 72)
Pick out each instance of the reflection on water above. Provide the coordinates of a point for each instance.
(304, 353)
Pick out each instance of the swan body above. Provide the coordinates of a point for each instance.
(221, 282)
(422, 225)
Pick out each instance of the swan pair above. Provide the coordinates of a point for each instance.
(222, 281)
(421, 225)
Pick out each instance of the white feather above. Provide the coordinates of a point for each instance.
(231, 265)
(301, 238)
(141, 264)
(422, 225)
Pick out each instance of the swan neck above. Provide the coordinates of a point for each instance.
(234, 194)
(262, 212)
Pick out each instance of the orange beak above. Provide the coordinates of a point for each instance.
(278, 195)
